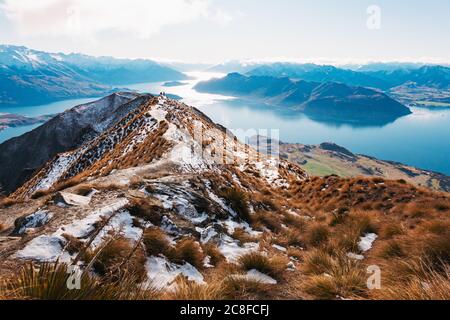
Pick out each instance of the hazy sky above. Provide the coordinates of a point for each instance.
(218, 30)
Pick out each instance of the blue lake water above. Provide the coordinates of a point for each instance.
(421, 139)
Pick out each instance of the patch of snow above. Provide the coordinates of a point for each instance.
(232, 251)
(58, 168)
(232, 225)
(50, 247)
(279, 248)
(355, 256)
(162, 273)
(122, 222)
(255, 275)
(367, 241)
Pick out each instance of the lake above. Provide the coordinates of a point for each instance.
(421, 139)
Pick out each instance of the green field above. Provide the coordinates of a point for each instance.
(433, 104)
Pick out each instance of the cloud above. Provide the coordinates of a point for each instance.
(139, 18)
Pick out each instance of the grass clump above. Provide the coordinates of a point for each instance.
(145, 209)
(238, 201)
(118, 257)
(345, 278)
(317, 234)
(188, 250)
(273, 267)
(156, 242)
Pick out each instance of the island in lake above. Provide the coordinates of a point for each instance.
(329, 100)
(16, 120)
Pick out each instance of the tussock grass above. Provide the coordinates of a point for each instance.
(345, 278)
(318, 262)
(243, 237)
(188, 290)
(48, 281)
(317, 234)
(214, 253)
(156, 242)
(391, 229)
(273, 266)
(234, 288)
(145, 209)
(391, 249)
(268, 220)
(188, 250)
(414, 279)
(238, 201)
(74, 245)
(119, 257)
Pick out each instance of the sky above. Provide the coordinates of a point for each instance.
(213, 31)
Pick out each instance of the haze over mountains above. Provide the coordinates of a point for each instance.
(31, 77)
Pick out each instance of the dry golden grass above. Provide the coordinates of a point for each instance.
(269, 220)
(48, 281)
(191, 291)
(214, 254)
(317, 262)
(156, 242)
(243, 237)
(118, 257)
(316, 234)
(391, 249)
(345, 278)
(238, 201)
(145, 209)
(273, 266)
(234, 288)
(391, 229)
(74, 245)
(188, 250)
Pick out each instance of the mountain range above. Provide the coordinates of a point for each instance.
(381, 77)
(31, 77)
(327, 100)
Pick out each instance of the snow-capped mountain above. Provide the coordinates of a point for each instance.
(30, 77)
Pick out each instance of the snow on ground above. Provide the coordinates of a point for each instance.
(50, 247)
(255, 275)
(58, 168)
(367, 241)
(122, 222)
(279, 248)
(269, 170)
(162, 273)
(232, 225)
(231, 249)
(355, 256)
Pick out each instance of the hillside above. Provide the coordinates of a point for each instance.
(165, 204)
(331, 159)
(31, 77)
(327, 101)
(22, 156)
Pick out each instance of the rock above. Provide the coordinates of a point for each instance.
(70, 199)
(34, 220)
